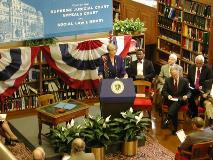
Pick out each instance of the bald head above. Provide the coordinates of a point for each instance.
(38, 154)
(78, 145)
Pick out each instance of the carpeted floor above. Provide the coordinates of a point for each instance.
(151, 151)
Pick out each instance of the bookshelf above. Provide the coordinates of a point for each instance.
(41, 79)
(138, 42)
(184, 29)
(116, 9)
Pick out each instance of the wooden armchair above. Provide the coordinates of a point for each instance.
(200, 151)
(143, 99)
(46, 99)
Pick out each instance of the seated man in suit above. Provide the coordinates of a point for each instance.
(176, 92)
(77, 152)
(165, 70)
(142, 68)
(197, 74)
(200, 135)
(165, 73)
(208, 100)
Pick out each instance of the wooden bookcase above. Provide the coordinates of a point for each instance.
(184, 28)
(41, 79)
(116, 9)
(137, 43)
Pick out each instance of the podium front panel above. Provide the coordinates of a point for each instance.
(113, 102)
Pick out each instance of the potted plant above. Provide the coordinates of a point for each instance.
(132, 127)
(43, 41)
(129, 26)
(98, 134)
(62, 136)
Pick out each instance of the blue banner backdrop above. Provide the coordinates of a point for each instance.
(33, 19)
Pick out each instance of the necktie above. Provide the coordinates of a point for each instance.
(197, 81)
(175, 87)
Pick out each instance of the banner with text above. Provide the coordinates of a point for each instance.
(33, 19)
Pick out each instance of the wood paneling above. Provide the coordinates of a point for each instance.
(147, 14)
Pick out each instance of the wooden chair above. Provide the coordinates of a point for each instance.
(143, 100)
(200, 151)
(46, 99)
(182, 113)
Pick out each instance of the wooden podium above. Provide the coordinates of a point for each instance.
(116, 95)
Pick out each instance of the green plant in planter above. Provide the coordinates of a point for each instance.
(129, 26)
(43, 42)
(62, 136)
(98, 132)
(132, 125)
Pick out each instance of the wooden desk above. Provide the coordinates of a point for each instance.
(49, 115)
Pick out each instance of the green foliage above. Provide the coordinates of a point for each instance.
(132, 125)
(129, 26)
(62, 136)
(43, 42)
(98, 132)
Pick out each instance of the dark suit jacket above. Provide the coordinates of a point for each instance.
(206, 73)
(197, 137)
(183, 88)
(148, 70)
(207, 86)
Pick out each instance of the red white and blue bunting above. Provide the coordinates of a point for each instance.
(76, 62)
(14, 67)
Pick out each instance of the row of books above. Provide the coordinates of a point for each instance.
(48, 72)
(24, 90)
(194, 46)
(197, 21)
(197, 8)
(175, 3)
(174, 26)
(140, 44)
(188, 56)
(185, 67)
(13, 104)
(170, 12)
(196, 34)
(33, 74)
(168, 47)
(63, 91)
(170, 35)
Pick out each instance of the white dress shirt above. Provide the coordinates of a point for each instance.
(140, 68)
(211, 93)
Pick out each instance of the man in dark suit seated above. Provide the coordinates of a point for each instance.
(142, 68)
(175, 92)
(208, 100)
(197, 74)
(199, 135)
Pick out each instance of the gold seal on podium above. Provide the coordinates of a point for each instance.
(117, 87)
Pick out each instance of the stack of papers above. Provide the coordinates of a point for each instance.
(181, 135)
(67, 106)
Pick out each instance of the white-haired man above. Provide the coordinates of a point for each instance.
(165, 70)
(165, 73)
(198, 73)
